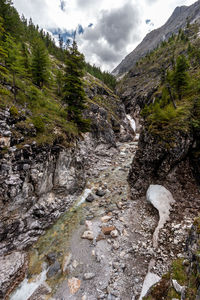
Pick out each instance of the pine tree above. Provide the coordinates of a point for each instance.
(12, 22)
(73, 91)
(40, 64)
(13, 61)
(3, 55)
(3, 52)
(180, 76)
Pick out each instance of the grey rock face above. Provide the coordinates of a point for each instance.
(37, 194)
(154, 163)
(178, 20)
(11, 268)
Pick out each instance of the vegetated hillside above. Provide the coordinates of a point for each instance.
(32, 81)
(179, 19)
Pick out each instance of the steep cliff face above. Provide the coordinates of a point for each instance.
(178, 19)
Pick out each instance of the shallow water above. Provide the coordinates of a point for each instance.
(27, 288)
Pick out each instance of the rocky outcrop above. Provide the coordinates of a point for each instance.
(13, 267)
(178, 19)
(38, 183)
(157, 162)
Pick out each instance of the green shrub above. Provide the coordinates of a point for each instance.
(39, 124)
(14, 111)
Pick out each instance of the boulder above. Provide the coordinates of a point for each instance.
(88, 235)
(88, 276)
(90, 198)
(53, 269)
(107, 229)
(100, 193)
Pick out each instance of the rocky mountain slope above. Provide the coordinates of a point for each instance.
(178, 19)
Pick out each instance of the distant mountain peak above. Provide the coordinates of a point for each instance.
(177, 20)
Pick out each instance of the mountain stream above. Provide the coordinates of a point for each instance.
(98, 249)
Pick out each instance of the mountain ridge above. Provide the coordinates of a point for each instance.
(179, 18)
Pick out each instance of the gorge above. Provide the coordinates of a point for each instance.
(111, 213)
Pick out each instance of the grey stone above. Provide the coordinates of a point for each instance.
(53, 269)
(100, 193)
(51, 257)
(88, 276)
(90, 198)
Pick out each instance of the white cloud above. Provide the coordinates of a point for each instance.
(118, 25)
(107, 40)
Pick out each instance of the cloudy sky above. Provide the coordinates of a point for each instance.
(111, 28)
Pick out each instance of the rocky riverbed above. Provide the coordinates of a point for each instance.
(102, 247)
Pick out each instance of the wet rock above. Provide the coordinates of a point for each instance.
(100, 193)
(74, 285)
(53, 269)
(41, 292)
(88, 235)
(88, 276)
(51, 257)
(107, 229)
(90, 198)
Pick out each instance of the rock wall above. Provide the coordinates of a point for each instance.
(38, 183)
(156, 162)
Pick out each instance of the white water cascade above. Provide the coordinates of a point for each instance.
(132, 122)
(26, 288)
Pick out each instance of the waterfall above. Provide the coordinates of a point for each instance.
(132, 122)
